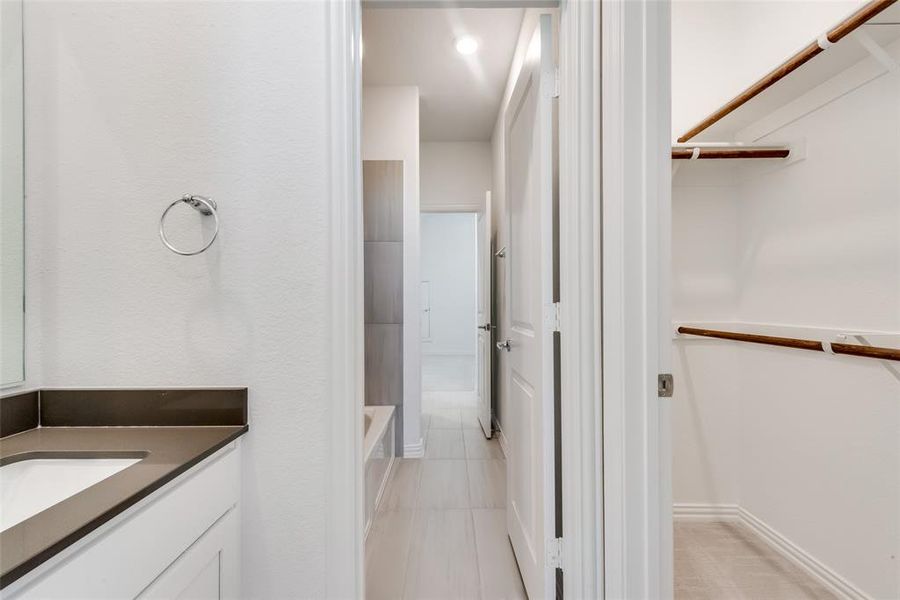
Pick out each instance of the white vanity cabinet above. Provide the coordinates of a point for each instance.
(182, 541)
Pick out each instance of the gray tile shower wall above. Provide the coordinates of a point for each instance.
(384, 282)
(383, 253)
(383, 200)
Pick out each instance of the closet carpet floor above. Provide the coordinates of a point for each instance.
(440, 530)
(727, 561)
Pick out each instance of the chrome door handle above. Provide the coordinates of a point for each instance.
(486, 327)
(504, 345)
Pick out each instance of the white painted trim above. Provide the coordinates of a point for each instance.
(415, 449)
(636, 195)
(705, 512)
(345, 519)
(812, 566)
(501, 438)
(580, 279)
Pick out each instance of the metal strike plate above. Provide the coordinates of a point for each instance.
(665, 385)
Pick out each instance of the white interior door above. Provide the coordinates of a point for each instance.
(529, 428)
(484, 346)
(425, 319)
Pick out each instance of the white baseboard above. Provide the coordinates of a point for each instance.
(800, 557)
(504, 443)
(815, 568)
(415, 449)
(706, 512)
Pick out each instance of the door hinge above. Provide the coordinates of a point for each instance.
(665, 385)
(553, 317)
(555, 83)
(554, 554)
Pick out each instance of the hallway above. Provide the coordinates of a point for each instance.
(440, 531)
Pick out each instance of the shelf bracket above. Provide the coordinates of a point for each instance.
(862, 340)
(877, 52)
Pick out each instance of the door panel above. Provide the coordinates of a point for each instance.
(529, 131)
(425, 318)
(484, 347)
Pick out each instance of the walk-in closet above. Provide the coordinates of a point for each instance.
(786, 299)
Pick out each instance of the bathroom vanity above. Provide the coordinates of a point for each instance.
(121, 493)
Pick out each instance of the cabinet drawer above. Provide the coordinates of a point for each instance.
(208, 570)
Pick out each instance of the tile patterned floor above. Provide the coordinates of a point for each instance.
(727, 561)
(440, 531)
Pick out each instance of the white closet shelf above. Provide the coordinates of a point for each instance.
(869, 30)
(689, 152)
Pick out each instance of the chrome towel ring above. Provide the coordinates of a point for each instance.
(205, 206)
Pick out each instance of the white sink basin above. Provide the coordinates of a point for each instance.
(29, 486)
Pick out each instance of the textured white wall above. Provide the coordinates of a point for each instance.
(12, 216)
(390, 131)
(448, 264)
(130, 105)
(806, 442)
(706, 287)
(455, 174)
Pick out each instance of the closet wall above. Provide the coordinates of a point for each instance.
(804, 443)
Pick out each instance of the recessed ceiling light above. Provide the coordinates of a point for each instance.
(466, 45)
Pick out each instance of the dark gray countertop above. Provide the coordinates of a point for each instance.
(167, 452)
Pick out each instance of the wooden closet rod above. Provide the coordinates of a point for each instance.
(785, 342)
(834, 35)
(734, 152)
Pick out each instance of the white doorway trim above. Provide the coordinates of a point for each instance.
(580, 307)
(580, 287)
(636, 200)
(345, 521)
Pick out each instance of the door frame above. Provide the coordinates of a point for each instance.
(470, 208)
(636, 228)
(594, 464)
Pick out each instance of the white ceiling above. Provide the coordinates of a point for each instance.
(459, 95)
